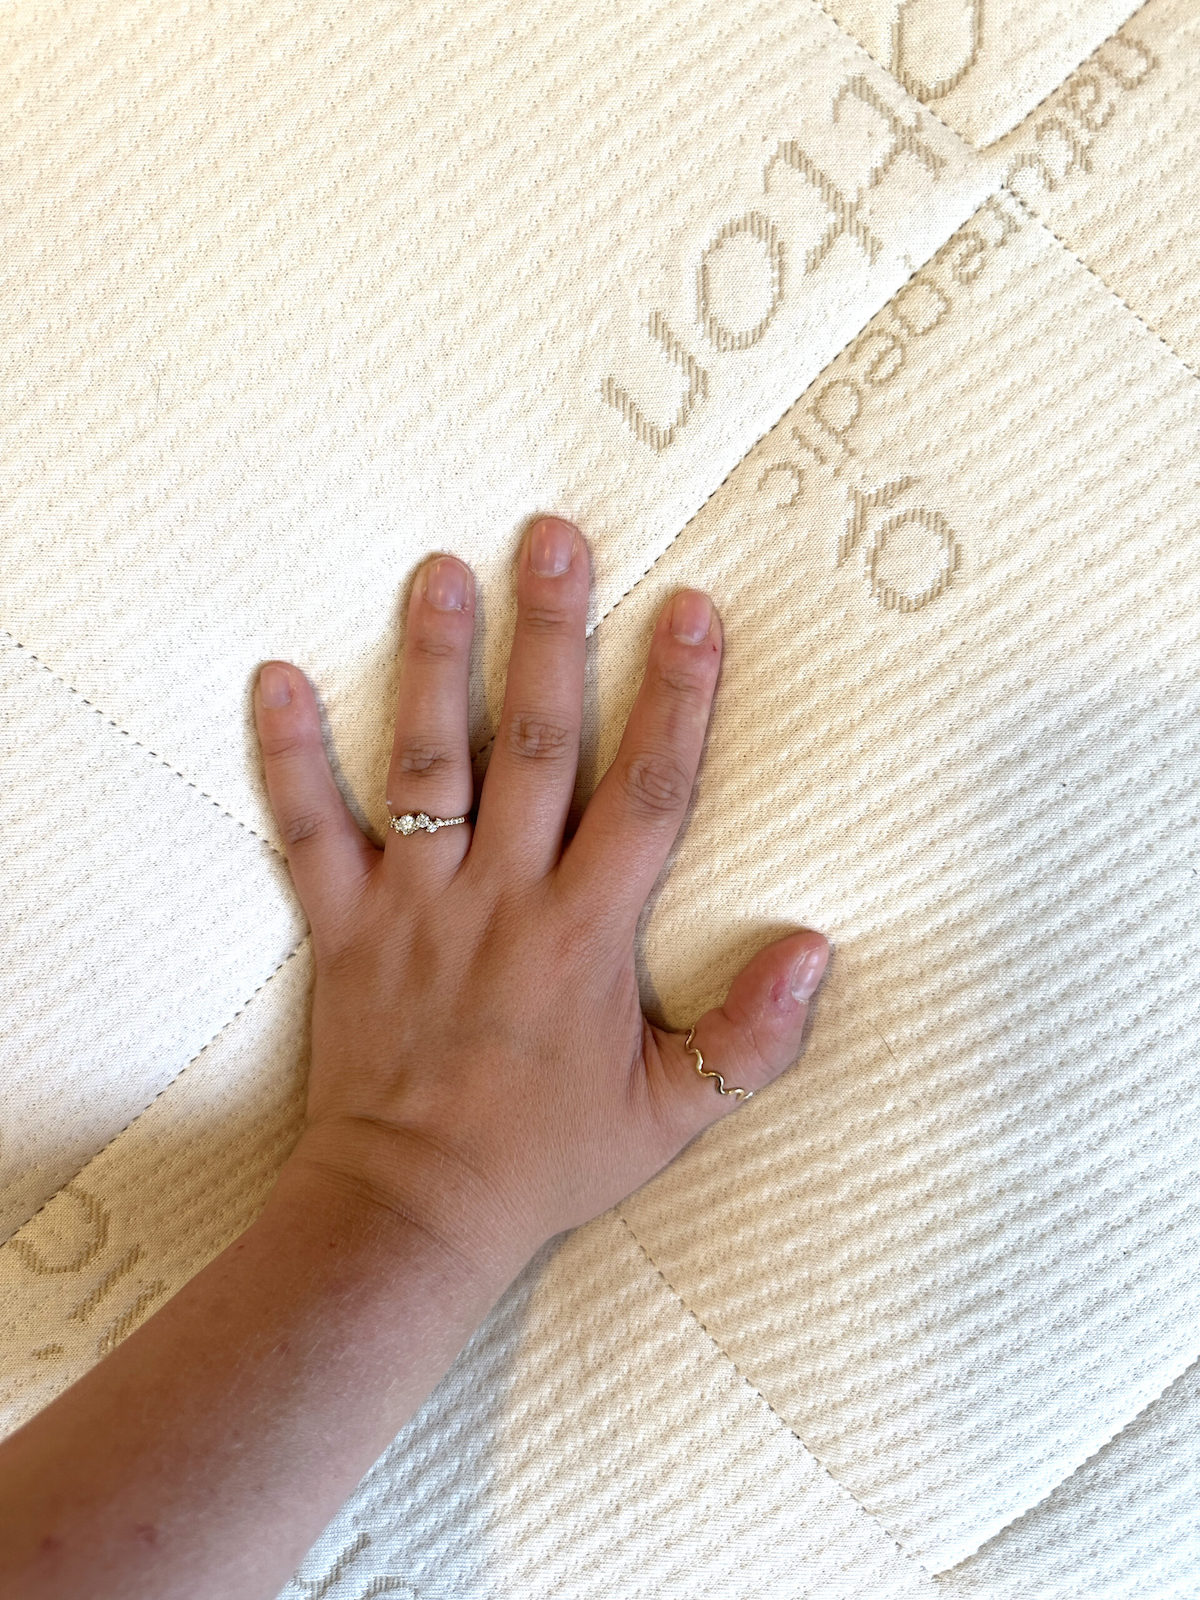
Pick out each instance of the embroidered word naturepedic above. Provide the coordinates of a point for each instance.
(835, 406)
(822, 439)
(1058, 141)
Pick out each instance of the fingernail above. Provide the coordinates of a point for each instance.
(691, 616)
(551, 546)
(274, 686)
(808, 971)
(446, 584)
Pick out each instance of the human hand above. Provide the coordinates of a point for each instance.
(481, 1063)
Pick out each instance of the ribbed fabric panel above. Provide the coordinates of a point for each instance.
(955, 1247)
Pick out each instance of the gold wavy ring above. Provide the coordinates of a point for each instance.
(734, 1094)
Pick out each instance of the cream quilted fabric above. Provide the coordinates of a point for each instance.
(879, 321)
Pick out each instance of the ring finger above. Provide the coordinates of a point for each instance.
(430, 770)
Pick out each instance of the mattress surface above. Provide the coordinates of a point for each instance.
(879, 321)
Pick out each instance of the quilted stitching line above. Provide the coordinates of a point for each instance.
(1190, 1366)
(861, 50)
(975, 149)
(1121, 300)
(58, 678)
(1050, 93)
(837, 1482)
(173, 1081)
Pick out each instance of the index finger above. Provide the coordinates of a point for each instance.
(630, 823)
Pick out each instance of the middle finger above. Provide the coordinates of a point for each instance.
(530, 778)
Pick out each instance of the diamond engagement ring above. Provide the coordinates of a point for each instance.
(411, 821)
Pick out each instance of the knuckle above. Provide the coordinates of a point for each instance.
(423, 758)
(429, 646)
(536, 737)
(657, 784)
(304, 825)
(680, 681)
(538, 617)
(285, 747)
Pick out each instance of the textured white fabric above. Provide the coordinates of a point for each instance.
(138, 921)
(1123, 1528)
(902, 373)
(989, 803)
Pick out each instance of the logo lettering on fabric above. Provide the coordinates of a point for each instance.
(388, 1584)
(75, 1235)
(934, 46)
(1059, 141)
(909, 551)
(844, 215)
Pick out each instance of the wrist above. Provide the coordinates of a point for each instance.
(374, 1188)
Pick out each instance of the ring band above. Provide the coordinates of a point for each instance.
(734, 1094)
(413, 821)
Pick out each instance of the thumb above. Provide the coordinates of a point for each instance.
(327, 852)
(748, 1040)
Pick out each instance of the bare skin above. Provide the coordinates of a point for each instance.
(482, 1078)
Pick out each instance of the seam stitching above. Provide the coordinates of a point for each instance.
(1192, 1363)
(837, 1482)
(1119, 298)
(95, 1156)
(1025, 116)
(58, 678)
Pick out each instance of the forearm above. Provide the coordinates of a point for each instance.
(205, 1455)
